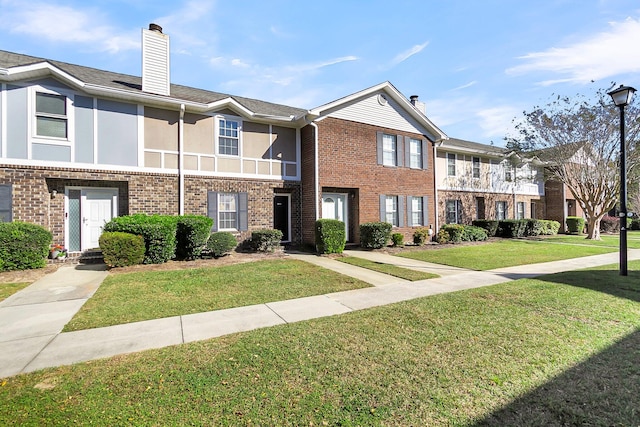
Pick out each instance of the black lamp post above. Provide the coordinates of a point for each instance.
(622, 97)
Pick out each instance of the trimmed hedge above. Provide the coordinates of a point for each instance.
(490, 225)
(121, 249)
(456, 233)
(158, 231)
(534, 227)
(397, 239)
(550, 227)
(512, 228)
(192, 232)
(23, 246)
(330, 236)
(266, 240)
(221, 243)
(374, 235)
(575, 224)
(421, 236)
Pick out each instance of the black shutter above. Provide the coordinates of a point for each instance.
(212, 208)
(6, 202)
(379, 147)
(243, 212)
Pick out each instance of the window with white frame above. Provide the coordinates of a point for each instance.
(417, 218)
(520, 210)
(228, 211)
(228, 137)
(475, 167)
(391, 210)
(453, 211)
(508, 173)
(415, 153)
(501, 210)
(389, 150)
(451, 164)
(51, 115)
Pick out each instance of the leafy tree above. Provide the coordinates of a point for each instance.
(579, 140)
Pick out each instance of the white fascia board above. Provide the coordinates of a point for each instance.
(41, 69)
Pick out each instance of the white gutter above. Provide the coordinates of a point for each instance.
(316, 169)
(181, 160)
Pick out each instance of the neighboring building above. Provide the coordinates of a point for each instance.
(79, 146)
(479, 181)
(369, 157)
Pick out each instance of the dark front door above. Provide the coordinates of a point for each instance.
(281, 217)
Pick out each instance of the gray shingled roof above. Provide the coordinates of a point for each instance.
(133, 84)
(474, 146)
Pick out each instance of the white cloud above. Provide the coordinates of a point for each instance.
(68, 25)
(465, 86)
(403, 56)
(601, 56)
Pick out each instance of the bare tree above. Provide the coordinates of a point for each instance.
(579, 139)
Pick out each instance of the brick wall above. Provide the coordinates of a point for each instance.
(348, 161)
(139, 193)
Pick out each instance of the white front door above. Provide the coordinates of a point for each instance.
(334, 206)
(98, 207)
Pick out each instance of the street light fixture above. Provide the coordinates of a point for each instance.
(622, 97)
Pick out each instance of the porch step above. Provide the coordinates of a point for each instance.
(91, 256)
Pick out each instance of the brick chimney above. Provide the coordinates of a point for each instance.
(155, 61)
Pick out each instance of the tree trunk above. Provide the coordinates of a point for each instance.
(593, 227)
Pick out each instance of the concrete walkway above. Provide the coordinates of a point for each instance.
(32, 319)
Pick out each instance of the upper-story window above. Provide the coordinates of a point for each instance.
(389, 150)
(451, 164)
(415, 153)
(51, 115)
(475, 167)
(228, 137)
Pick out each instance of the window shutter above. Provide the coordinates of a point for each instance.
(409, 212)
(212, 208)
(379, 147)
(425, 211)
(425, 154)
(407, 151)
(401, 210)
(243, 212)
(399, 150)
(383, 208)
(459, 211)
(6, 202)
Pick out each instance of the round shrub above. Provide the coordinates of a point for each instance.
(491, 225)
(575, 224)
(221, 243)
(192, 232)
(374, 235)
(330, 236)
(397, 239)
(266, 240)
(421, 235)
(23, 246)
(471, 233)
(121, 249)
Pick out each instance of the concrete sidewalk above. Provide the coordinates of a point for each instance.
(32, 319)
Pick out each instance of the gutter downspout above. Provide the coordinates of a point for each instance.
(181, 160)
(316, 170)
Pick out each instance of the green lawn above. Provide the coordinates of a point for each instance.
(611, 240)
(560, 350)
(503, 253)
(392, 270)
(132, 297)
(8, 289)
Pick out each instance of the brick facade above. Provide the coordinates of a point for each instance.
(347, 154)
(34, 200)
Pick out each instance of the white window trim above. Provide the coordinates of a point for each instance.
(419, 223)
(237, 201)
(396, 214)
(33, 122)
(395, 150)
(473, 167)
(455, 163)
(504, 211)
(411, 154)
(216, 131)
(458, 207)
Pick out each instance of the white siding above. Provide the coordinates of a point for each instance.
(155, 62)
(390, 115)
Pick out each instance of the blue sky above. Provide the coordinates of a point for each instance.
(476, 64)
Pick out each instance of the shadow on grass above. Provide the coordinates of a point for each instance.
(604, 390)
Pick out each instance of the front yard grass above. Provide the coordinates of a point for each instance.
(392, 270)
(611, 240)
(558, 350)
(503, 253)
(8, 289)
(133, 297)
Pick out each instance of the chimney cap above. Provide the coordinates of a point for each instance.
(413, 98)
(155, 27)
